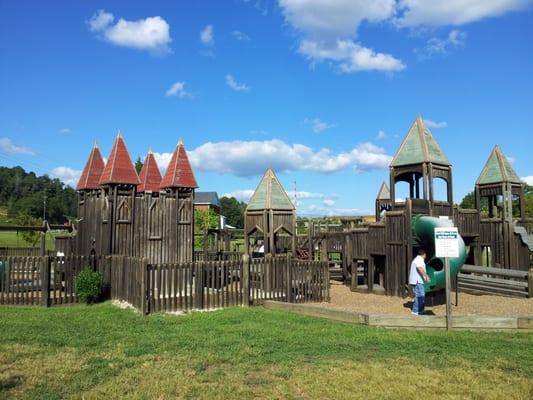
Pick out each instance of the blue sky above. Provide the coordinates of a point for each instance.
(323, 92)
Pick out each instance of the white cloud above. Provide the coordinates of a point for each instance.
(351, 56)
(301, 195)
(240, 36)
(151, 34)
(246, 194)
(528, 179)
(238, 87)
(453, 12)
(435, 125)
(65, 130)
(317, 125)
(100, 20)
(329, 27)
(329, 202)
(241, 195)
(177, 89)
(436, 46)
(334, 18)
(381, 135)
(330, 211)
(162, 159)
(8, 147)
(207, 35)
(251, 158)
(67, 175)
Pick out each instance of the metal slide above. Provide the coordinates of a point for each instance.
(423, 237)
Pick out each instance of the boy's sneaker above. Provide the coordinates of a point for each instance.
(414, 313)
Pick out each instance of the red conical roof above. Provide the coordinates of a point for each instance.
(150, 176)
(179, 172)
(93, 170)
(119, 168)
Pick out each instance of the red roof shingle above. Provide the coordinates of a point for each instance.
(90, 176)
(179, 172)
(150, 176)
(119, 168)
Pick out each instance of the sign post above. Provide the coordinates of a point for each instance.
(446, 246)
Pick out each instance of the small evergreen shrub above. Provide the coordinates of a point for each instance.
(89, 285)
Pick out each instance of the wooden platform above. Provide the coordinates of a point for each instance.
(406, 321)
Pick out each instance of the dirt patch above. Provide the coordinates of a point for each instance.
(344, 299)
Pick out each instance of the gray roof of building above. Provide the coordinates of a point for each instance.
(206, 198)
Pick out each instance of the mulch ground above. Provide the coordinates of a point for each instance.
(344, 299)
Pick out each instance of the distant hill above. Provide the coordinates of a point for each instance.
(23, 192)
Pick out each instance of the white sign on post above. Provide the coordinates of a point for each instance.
(446, 242)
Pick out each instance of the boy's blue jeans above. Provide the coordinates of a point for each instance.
(420, 294)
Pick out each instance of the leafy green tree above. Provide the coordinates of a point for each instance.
(203, 221)
(138, 165)
(30, 237)
(233, 210)
(23, 192)
(468, 201)
(529, 201)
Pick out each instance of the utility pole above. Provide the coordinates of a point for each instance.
(44, 207)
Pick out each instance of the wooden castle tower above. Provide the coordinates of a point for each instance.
(383, 200)
(419, 161)
(500, 199)
(270, 218)
(144, 216)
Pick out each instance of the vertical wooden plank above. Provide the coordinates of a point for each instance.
(45, 279)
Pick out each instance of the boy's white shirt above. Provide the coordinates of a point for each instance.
(414, 275)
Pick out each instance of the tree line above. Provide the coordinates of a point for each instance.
(469, 202)
(24, 194)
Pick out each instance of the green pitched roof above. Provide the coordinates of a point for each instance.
(270, 195)
(419, 146)
(497, 169)
(384, 193)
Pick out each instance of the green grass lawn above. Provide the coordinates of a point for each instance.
(103, 352)
(11, 239)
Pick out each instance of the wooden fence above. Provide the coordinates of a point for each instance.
(487, 280)
(50, 281)
(24, 252)
(217, 255)
(45, 280)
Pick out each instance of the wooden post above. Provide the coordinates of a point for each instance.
(43, 240)
(530, 283)
(324, 249)
(268, 273)
(370, 274)
(447, 287)
(246, 279)
(310, 239)
(45, 279)
(353, 283)
(144, 286)
(199, 280)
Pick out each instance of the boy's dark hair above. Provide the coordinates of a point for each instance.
(421, 252)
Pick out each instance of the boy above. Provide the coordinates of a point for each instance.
(417, 277)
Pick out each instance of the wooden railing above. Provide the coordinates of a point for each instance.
(487, 280)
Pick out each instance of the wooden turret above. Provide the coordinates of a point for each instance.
(498, 178)
(271, 216)
(383, 200)
(420, 158)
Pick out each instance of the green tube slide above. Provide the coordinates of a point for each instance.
(424, 237)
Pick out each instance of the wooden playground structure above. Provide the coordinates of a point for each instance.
(375, 257)
(138, 230)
